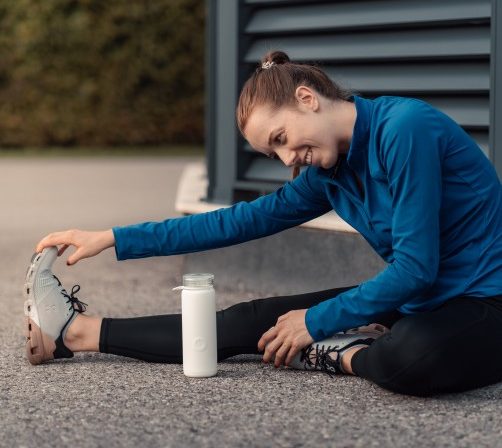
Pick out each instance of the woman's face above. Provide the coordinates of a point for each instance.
(299, 136)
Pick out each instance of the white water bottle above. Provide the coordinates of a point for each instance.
(198, 320)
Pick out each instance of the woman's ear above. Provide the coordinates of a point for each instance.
(307, 97)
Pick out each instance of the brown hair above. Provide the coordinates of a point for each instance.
(275, 81)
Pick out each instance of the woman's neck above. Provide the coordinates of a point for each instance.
(344, 115)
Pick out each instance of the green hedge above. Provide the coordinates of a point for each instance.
(101, 72)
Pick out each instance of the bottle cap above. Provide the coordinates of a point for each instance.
(198, 280)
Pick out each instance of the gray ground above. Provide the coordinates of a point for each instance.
(98, 400)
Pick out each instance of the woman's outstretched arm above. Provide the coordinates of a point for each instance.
(295, 203)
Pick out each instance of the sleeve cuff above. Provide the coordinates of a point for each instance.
(312, 324)
(118, 241)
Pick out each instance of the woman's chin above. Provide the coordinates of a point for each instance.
(328, 164)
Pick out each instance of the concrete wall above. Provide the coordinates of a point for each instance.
(291, 262)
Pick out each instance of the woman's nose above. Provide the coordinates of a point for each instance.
(288, 157)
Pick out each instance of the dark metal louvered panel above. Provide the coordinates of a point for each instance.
(438, 51)
(470, 112)
(441, 51)
(353, 14)
(398, 78)
(407, 44)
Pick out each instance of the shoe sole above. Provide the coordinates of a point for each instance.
(36, 341)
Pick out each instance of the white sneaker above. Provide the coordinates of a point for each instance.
(326, 355)
(48, 308)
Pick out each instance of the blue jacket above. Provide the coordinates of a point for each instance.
(432, 209)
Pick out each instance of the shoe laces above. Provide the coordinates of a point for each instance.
(322, 360)
(75, 303)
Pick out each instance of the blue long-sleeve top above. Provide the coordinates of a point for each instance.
(431, 207)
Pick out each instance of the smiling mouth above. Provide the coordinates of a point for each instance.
(308, 157)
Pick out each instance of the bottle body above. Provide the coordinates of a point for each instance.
(198, 319)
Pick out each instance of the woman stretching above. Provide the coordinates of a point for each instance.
(402, 173)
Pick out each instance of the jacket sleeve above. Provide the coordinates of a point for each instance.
(410, 152)
(295, 203)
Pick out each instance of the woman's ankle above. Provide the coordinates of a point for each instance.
(83, 334)
(346, 360)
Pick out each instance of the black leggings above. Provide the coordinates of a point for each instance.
(452, 348)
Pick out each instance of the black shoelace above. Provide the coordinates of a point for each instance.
(75, 303)
(322, 361)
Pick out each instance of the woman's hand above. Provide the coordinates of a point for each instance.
(88, 244)
(286, 339)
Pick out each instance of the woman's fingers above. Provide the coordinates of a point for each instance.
(66, 239)
(87, 244)
(270, 350)
(76, 256)
(283, 341)
(281, 353)
(54, 239)
(266, 338)
(293, 350)
(272, 343)
(61, 251)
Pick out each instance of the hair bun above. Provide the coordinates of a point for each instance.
(276, 57)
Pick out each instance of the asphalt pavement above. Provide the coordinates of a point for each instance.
(96, 400)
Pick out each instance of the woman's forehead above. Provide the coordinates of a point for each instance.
(260, 123)
(262, 114)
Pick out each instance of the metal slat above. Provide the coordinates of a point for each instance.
(343, 15)
(275, 2)
(259, 186)
(462, 42)
(247, 148)
(482, 139)
(433, 77)
(468, 112)
(267, 170)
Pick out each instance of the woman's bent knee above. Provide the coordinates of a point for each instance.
(399, 370)
(423, 357)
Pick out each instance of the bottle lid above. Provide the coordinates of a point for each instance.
(198, 280)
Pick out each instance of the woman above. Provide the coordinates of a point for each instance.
(402, 173)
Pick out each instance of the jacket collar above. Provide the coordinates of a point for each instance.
(360, 136)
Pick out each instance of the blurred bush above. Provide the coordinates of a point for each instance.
(94, 72)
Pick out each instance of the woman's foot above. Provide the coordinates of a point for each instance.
(328, 355)
(49, 310)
